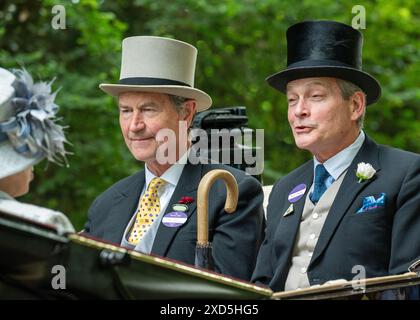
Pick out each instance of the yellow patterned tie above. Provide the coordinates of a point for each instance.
(147, 211)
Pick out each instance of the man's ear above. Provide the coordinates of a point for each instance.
(189, 111)
(358, 103)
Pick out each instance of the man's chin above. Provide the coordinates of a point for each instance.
(304, 144)
(143, 156)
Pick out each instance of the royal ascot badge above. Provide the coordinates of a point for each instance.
(180, 207)
(174, 219)
(297, 193)
(289, 211)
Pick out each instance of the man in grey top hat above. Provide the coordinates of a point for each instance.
(353, 209)
(154, 210)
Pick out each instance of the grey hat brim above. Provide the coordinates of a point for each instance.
(203, 100)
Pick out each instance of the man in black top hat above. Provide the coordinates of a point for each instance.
(354, 209)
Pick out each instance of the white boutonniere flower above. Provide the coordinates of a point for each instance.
(365, 171)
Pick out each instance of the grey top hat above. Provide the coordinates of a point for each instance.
(161, 65)
(28, 132)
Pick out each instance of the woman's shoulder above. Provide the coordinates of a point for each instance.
(39, 215)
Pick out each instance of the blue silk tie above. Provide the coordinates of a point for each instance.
(320, 184)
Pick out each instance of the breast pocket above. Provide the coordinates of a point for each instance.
(370, 212)
(184, 235)
(368, 236)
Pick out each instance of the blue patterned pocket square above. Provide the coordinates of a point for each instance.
(370, 203)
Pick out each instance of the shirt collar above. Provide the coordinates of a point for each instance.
(172, 175)
(341, 161)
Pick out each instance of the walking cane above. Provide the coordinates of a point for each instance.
(204, 257)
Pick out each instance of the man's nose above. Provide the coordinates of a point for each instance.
(301, 108)
(136, 123)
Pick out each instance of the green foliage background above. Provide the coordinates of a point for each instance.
(240, 43)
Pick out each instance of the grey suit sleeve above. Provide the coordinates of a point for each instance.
(405, 245)
(238, 236)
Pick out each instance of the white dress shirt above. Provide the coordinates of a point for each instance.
(171, 176)
(339, 163)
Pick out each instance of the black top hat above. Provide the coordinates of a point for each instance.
(325, 49)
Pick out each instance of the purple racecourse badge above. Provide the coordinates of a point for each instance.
(297, 193)
(174, 219)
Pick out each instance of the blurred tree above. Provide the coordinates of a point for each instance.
(80, 57)
(240, 43)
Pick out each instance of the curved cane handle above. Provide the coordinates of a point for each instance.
(203, 199)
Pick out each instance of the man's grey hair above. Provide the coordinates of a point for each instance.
(347, 89)
(177, 101)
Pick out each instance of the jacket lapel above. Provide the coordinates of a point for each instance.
(124, 204)
(349, 190)
(289, 225)
(187, 187)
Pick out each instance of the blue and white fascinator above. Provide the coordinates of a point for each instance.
(29, 131)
